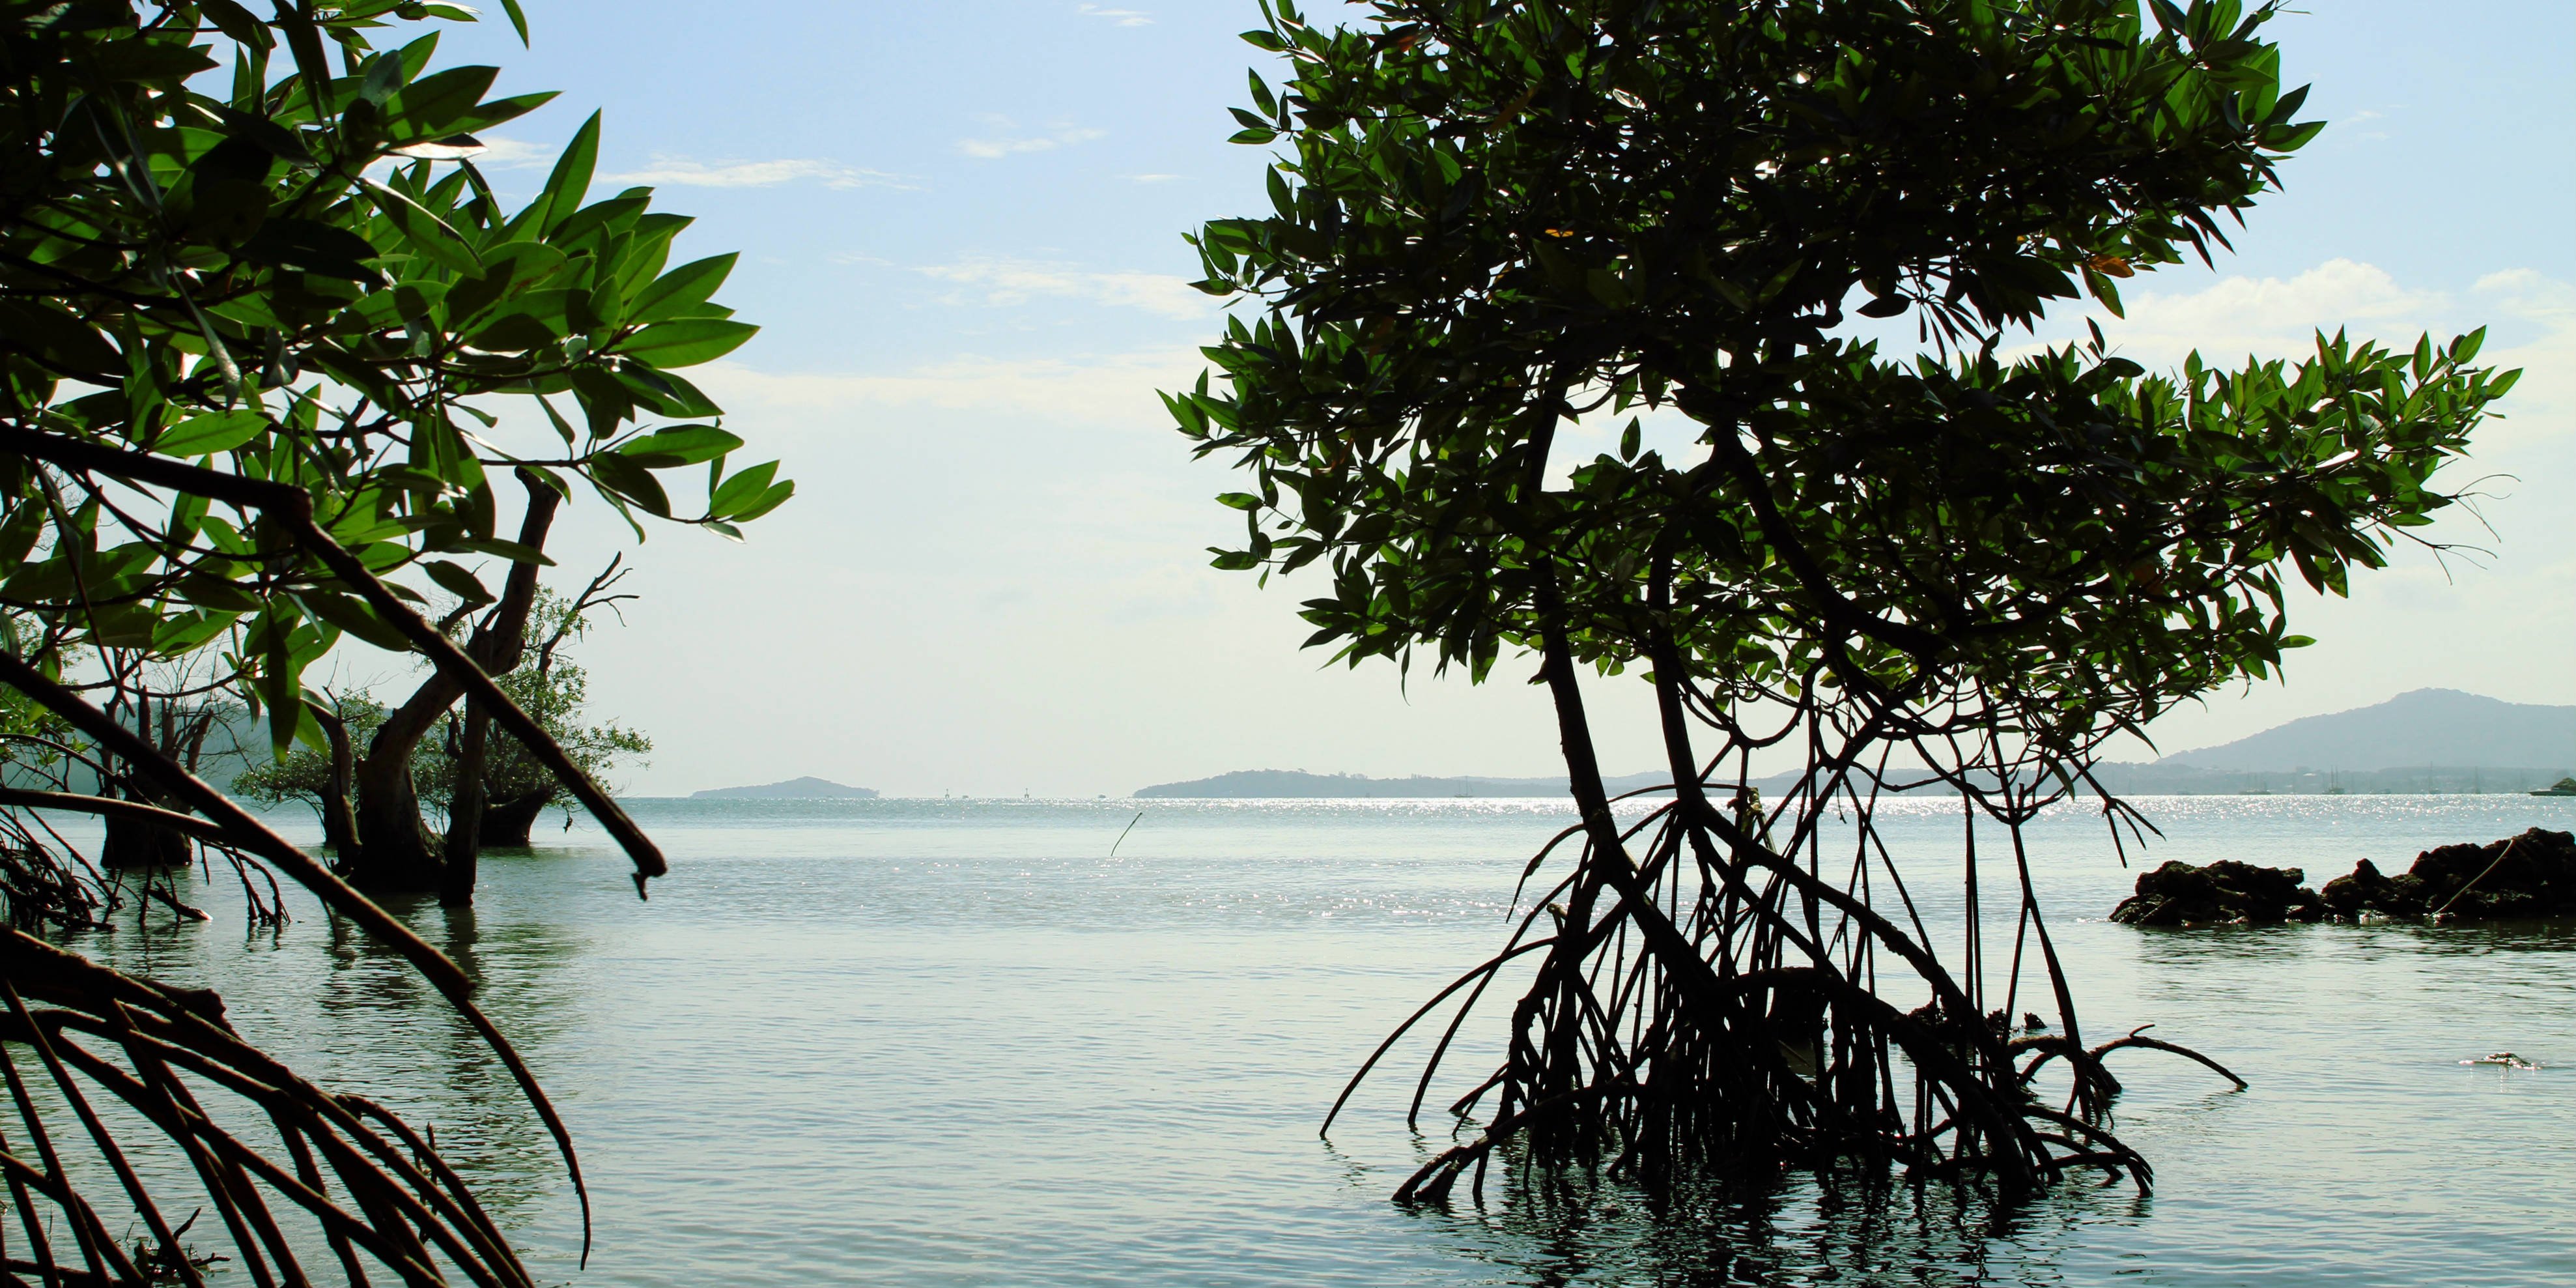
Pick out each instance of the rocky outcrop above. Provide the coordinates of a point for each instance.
(2531, 875)
(2224, 893)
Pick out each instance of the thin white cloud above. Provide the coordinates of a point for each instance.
(1009, 141)
(2544, 403)
(1122, 17)
(1006, 282)
(502, 153)
(1152, 178)
(2239, 315)
(683, 172)
(1114, 389)
(488, 152)
(2533, 317)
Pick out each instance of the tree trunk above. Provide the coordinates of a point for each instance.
(339, 819)
(136, 845)
(465, 809)
(507, 822)
(396, 850)
(130, 844)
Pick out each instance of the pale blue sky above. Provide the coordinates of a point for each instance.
(961, 230)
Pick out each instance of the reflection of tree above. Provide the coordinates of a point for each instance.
(1829, 1227)
(377, 1020)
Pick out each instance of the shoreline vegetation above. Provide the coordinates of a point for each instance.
(2124, 781)
(2423, 742)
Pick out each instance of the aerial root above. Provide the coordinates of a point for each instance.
(1432, 1182)
(2137, 1038)
(374, 1189)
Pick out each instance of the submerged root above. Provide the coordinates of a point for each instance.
(1707, 999)
(337, 1175)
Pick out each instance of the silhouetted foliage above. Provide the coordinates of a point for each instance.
(259, 318)
(1495, 223)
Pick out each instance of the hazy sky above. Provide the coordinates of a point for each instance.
(960, 227)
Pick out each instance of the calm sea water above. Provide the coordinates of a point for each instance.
(959, 1043)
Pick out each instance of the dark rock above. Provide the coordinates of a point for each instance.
(2225, 892)
(2531, 875)
(2364, 890)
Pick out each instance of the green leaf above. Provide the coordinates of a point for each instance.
(675, 293)
(510, 550)
(686, 341)
(1240, 500)
(630, 479)
(531, 320)
(775, 496)
(213, 432)
(352, 614)
(434, 105)
(188, 632)
(570, 181)
(312, 247)
(456, 580)
(60, 340)
(741, 491)
(429, 233)
(217, 593)
(496, 111)
(508, 268)
(680, 445)
(276, 139)
(236, 22)
(18, 535)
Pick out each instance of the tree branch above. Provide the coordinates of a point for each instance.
(293, 507)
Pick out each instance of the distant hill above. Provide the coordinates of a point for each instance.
(2430, 740)
(1274, 784)
(2423, 728)
(792, 789)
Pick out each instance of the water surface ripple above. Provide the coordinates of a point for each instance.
(956, 1043)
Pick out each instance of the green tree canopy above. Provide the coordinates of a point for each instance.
(237, 347)
(552, 688)
(1491, 218)
(268, 344)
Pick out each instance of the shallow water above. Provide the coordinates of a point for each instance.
(959, 1043)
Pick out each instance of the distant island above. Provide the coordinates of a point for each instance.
(791, 790)
(2425, 741)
